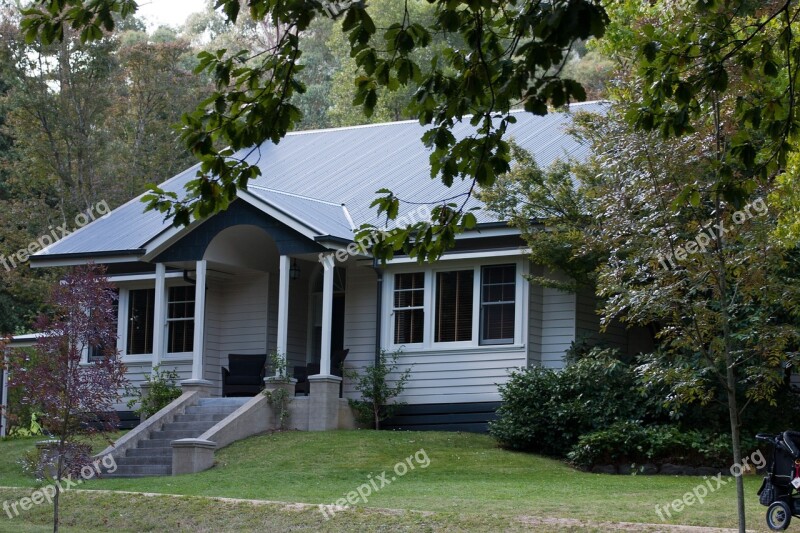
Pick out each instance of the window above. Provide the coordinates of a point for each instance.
(498, 291)
(139, 338)
(96, 352)
(409, 310)
(454, 306)
(180, 319)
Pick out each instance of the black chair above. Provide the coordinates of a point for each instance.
(301, 375)
(246, 374)
(337, 360)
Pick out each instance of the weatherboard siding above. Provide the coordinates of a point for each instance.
(359, 322)
(558, 326)
(236, 320)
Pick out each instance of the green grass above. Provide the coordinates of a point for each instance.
(470, 483)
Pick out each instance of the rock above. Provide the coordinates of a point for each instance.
(689, 471)
(604, 469)
(648, 469)
(627, 469)
(708, 471)
(669, 469)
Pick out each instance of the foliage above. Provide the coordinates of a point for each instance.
(507, 55)
(74, 399)
(279, 397)
(377, 393)
(632, 442)
(546, 411)
(163, 388)
(551, 213)
(34, 429)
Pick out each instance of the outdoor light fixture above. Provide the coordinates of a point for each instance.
(294, 270)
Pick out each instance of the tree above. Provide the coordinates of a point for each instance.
(512, 54)
(705, 273)
(74, 399)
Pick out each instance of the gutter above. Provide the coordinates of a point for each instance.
(85, 255)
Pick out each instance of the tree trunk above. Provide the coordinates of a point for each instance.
(733, 410)
(59, 467)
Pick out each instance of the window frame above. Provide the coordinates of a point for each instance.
(168, 320)
(430, 272)
(423, 307)
(496, 342)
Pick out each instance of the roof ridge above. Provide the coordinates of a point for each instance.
(416, 121)
(295, 195)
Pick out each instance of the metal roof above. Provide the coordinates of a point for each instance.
(326, 179)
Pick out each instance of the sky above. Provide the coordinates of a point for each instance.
(168, 12)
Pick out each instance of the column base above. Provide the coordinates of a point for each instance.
(203, 386)
(323, 410)
(192, 455)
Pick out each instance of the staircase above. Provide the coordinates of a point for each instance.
(153, 457)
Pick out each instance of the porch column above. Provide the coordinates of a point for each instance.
(282, 343)
(327, 319)
(159, 315)
(199, 319)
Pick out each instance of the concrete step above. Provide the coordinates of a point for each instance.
(171, 435)
(141, 471)
(198, 427)
(149, 452)
(217, 402)
(145, 460)
(203, 417)
(155, 443)
(211, 409)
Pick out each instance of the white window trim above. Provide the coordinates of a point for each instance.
(427, 345)
(172, 356)
(122, 317)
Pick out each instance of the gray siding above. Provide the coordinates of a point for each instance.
(360, 321)
(458, 376)
(558, 326)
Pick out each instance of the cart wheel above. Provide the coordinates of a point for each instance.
(778, 516)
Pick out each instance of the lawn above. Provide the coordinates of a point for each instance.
(468, 484)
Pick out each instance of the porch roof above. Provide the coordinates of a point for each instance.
(324, 181)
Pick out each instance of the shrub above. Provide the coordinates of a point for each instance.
(631, 442)
(376, 403)
(163, 390)
(546, 411)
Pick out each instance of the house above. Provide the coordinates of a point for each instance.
(273, 274)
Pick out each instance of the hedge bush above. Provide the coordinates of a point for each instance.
(632, 443)
(547, 411)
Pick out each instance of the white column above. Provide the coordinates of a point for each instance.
(282, 343)
(199, 319)
(327, 320)
(4, 397)
(160, 315)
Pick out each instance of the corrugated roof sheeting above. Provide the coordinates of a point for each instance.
(128, 227)
(327, 218)
(310, 174)
(348, 165)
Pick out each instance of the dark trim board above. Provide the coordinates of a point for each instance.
(128, 419)
(470, 417)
